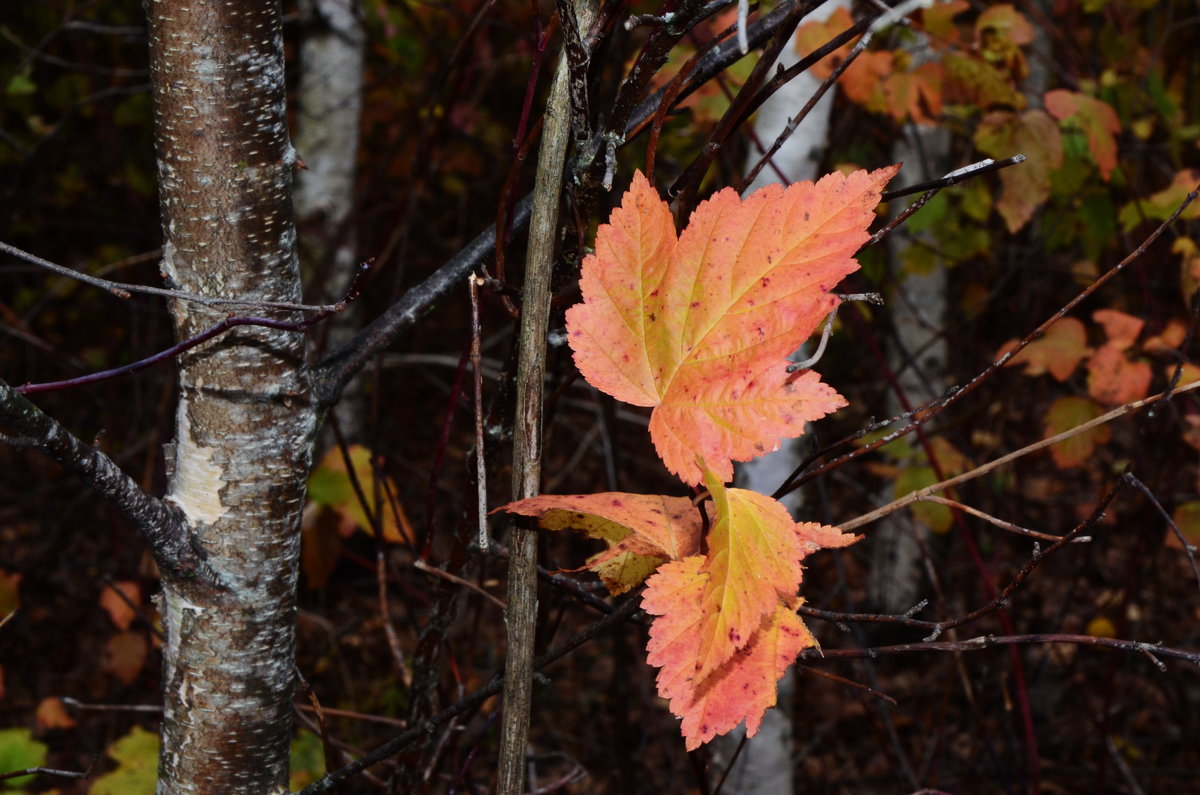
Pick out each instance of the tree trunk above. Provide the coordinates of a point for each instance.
(918, 354)
(245, 422)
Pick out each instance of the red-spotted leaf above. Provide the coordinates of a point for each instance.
(741, 689)
(688, 600)
(641, 530)
(699, 326)
(753, 561)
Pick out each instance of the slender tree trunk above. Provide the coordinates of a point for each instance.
(330, 96)
(245, 423)
(919, 356)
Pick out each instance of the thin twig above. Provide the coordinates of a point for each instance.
(397, 744)
(1003, 525)
(445, 575)
(799, 477)
(1188, 549)
(983, 469)
(215, 330)
(124, 290)
(477, 372)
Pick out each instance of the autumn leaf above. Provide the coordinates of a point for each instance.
(125, 655)
(641, 531)
(331, 487)
(1058, 352)
(976, 82)
(814, 34)
(119, 600)
(1187, 518)
(753, 561)
(1026, 187)
(1114, 380)
(938, 19)
(743, 688)
(1168, 341)
(916, 94)
(136, 755)
(1071, 412)
(1095, 117)
(1004, 20)
(51, 713)
(699, 325)
(10, 592)
(1159, 206)
(999, 33)
(688, 632)
(1122, 329)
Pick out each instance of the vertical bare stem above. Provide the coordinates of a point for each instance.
(521, 617)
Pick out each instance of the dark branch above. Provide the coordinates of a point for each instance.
(161, 524)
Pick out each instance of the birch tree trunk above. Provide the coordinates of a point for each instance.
(245, 421)
(765, 765)
(919, 355)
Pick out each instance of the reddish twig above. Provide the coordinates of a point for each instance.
(203, 337)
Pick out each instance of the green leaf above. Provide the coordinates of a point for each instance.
(18, 750)
(136, 755)
(20, 85)
(308, 760)
(936, 517)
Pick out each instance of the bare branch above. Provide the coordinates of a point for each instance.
(160, 523)
(123, 290)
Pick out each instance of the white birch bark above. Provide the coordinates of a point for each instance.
(245, 421)
(917, 353)
(329, 100)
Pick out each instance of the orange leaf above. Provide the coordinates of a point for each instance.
(863, 80)
(1114, 380)
(1006, 21)
(816, 33)
(1071, 412)
(1122, 329)
(119, 605)
(725, 629)
(915, 94)
(1027, 186)
(641, 530)
(700, 326)
(1095, 117)
(51, 714)
(753, 561)
(741, 689)
(125, 655)
(1058, 352)
(1166, 342)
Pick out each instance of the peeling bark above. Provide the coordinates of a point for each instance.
(245, 423)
